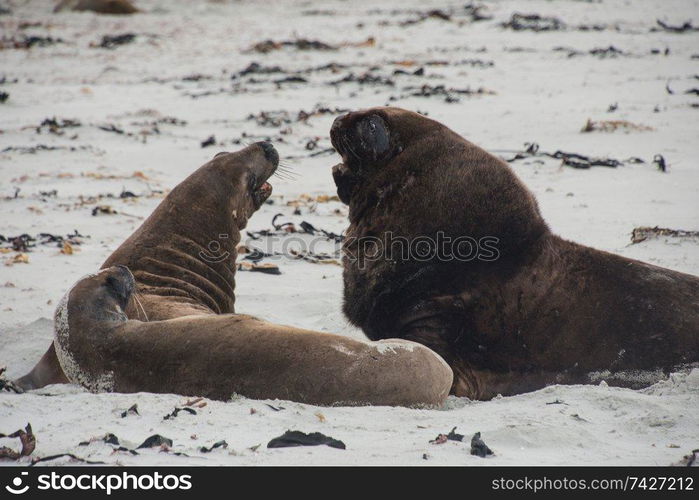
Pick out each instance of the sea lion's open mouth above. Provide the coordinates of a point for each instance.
(261, 194)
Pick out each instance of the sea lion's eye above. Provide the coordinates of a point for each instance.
(374, 140)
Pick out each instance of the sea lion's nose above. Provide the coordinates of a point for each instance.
(270, 152)
(126, 275)
(336, 130)
(338, 123)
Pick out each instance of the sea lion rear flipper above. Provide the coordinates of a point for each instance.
(47, 371)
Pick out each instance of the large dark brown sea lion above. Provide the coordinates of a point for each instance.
(159, 316)
(448, 248)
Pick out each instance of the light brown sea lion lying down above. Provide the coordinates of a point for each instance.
(484, 283)
(181, 336)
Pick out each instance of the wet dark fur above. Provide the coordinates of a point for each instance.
(546, 311)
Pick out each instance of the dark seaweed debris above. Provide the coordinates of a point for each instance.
(691, 459)
(255, 68)
(309, 228)
(44, 147)
(277, 119)
(26, 438)
(474, 11)
(27, 42)
(8, 385)
(271, 118)
(267, 46)
(108, 438)
(610, 51)
(644, 233)
(61, 455)
(25, 242)
(450, 94)
(430, 14)
(112, 439)
(533, 22)
(217, 444)
(4, 96)
(659, 161)
(574, 160)
(298, 438)
(366, 78)
(478, 447)
(113, 41)
(177, 411)
(290, 79)
(155, 440)
(452, 436)
(55, 125)
(111, 128)
(264, 268)
(209, 141)
(686, 26)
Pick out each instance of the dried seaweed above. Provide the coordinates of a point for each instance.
(574, 160)
(451, 95)
(27, 42)
(108, 438)
(451, 436)
(644, 233)
(267, 46)
(56, 126)
(155, 440)
(683, 28)
(25, 242)
(217, 444)
(8, 385)
(298, 438)
(114, 41)
(26, 438)
(177, 411)
(44, 147)
(533, 22)
(367, 78)
(478, 447)
(659, 161)
(61, 455)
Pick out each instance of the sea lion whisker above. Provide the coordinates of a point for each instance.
(285, 170)
(140, 305)
(349, 148)
(285, 174)
(288, 175)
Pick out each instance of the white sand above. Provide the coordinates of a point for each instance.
(541, 95)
